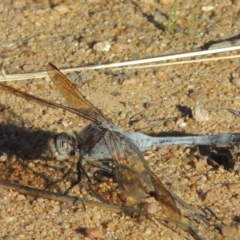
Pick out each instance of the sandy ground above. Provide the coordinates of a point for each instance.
(149, 100)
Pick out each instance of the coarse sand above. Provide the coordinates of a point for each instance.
(151, 100)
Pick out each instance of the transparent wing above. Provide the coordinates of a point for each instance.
(77, 103)
(73, 97)
(163, 196)
(131, 169)
(80, 112)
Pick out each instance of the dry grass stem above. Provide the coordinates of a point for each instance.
(18, 77)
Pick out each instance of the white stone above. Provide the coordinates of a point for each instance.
(102, 46)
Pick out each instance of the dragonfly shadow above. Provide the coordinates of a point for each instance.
(23, 143)
(25, 156)
(218, 156)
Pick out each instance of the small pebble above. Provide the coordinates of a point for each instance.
(182, 125)
(129, 81)
(29, 227)
(207, 8)
(180, 122)
(236, 81)
(200, 114)
(150, 207)
(93, 233)
(234, 187)
(62, 9)
(147, 231)
(159, 17)
(212, 195)
(102, 46)
(3, 157)
(177, 81)
(21, 197)
(229, 231)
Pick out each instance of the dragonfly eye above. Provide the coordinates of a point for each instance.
(64, 144)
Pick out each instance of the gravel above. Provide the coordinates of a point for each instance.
(68, 34)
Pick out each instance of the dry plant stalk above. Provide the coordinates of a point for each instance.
(40, 193)
(144, 63)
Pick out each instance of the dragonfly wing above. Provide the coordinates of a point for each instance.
(73, 97)
(168, 204)
(80, 112)
(131, 169)
(30, 97)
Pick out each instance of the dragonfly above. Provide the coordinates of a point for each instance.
(130, 168)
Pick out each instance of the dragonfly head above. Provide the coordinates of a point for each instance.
(65, 144)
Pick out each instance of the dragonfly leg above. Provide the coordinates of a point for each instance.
(79, 178)
(82, 171)
(103, 167)
(49, 185)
